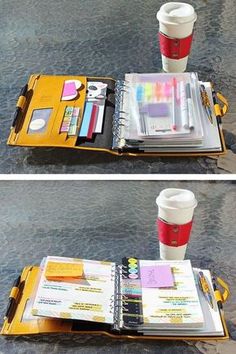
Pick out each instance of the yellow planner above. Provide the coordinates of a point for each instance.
(119, 301)
(142, 115)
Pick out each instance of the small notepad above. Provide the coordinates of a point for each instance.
(159, 276)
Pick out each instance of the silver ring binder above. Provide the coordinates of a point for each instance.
(117, 298)
(119, 116)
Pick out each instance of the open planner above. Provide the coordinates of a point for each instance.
(148, 299)
(145, 114)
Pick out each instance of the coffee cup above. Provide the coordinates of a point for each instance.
(174, 222)
(176, 21)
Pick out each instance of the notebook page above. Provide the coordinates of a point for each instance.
(89, 298)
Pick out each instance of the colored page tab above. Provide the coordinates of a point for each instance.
(148, 91)
(159, 276)
(86, 119)
(57, 270)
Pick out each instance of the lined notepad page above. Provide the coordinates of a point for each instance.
(174, 307)
(212, 321)
(89, 298)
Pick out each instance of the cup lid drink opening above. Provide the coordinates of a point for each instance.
(174, 198)
(176, 13)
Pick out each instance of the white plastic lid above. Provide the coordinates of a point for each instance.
(176, 13)
(175, 198)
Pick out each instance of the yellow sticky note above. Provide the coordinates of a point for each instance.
(60, 270)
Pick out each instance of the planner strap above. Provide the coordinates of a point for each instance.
(175, 48)
(223, 109)
(225, 287)
(172, 234)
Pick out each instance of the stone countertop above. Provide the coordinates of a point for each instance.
(105, 38)
(106, 220)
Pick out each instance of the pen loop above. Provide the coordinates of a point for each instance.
(21, 102)
(223, 100)
(14, 292)
(226, 292)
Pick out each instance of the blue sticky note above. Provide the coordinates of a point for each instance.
(86, 119)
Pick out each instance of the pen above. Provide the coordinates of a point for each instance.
(190, 105)
(216, 107)
(174, 103)
(206, 102)
(205, 288)
(183, 105)
(12, 297)
(18, 109)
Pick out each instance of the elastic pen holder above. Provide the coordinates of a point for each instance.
(222, 109)
(226, 292)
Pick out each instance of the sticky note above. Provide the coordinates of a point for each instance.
(58, 270)
(70, 88)
(158, 110)
(159, 276)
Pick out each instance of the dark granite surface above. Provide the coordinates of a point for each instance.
(103, 38)
(106, 220)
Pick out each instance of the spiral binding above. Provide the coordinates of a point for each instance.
(119, 116)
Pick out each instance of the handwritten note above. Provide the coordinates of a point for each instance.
(159, 276)
(57, 270)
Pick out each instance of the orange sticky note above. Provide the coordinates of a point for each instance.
(61, 270)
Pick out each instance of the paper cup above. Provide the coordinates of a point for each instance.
(176, 21)
(174, 222)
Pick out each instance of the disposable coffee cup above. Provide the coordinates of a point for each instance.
(176, 21)
(174, 222)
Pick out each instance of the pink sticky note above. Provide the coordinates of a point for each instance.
(69, 89)
(159, 276)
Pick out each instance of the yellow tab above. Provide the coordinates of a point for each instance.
(14, 292)
(34, 312)
(224, 101)
(217, 110)
(218, 295)
(65, 315)
(99, 319)
(21, 102)
(176, 320)
(105, 263)
(226, 292)
(57, 270)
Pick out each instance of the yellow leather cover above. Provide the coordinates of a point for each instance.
(45, 92)
(17, 326)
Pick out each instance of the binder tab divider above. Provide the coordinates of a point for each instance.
(132, 292)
